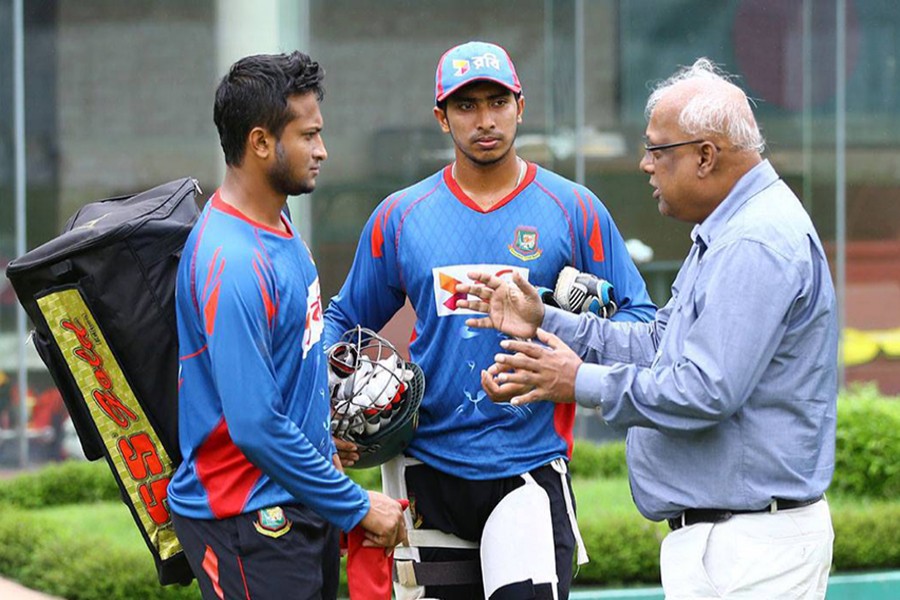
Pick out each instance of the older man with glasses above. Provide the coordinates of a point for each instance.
(729, 395)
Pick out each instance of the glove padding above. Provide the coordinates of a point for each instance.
(579, 292)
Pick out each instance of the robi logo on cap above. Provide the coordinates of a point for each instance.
(461, 67)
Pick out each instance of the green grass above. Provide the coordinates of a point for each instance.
(110, 521)
(603, 496)
(113, 522)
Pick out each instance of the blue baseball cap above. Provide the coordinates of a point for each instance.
(474, 61)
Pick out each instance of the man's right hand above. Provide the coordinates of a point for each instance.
(384, 522)
(515, 310)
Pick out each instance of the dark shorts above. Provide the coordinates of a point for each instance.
(263, 556)
(462, 507)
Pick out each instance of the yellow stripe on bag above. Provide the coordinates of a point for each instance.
(141, 462)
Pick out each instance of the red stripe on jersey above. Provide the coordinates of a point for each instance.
(267, 300)
(193, 354)
(596, 239)
(378, 236)
(211, 298)
(569, 223)
(225, 473)
(564, 423)
(210, 308)
(381, 221)
(194, 263)
(210, 271)
(262, 258)
(211, 568)
(584, 214)
(390, 207)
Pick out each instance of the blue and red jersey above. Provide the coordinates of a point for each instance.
(418, 244)
(253, 411)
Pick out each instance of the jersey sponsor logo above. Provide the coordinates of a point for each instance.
(525, 244)
(315, 323)
(447, 278)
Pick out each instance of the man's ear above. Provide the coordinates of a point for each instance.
(441, 115)
(260, 143)
(520, 108)
(707, 159)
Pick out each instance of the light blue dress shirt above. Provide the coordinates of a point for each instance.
(730, 394)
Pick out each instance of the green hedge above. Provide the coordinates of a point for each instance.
(41, 557)
(867, 450)
(867, 536)
(624, 549)
(70, 482)
(591, 460)
(867, 461)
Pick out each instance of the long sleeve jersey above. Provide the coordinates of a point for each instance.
(253, 412)
(420, 243)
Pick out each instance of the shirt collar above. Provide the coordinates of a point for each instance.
(751, 183)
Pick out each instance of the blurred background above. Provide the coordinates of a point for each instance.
(116, 97)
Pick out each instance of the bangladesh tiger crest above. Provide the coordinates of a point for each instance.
(272, 522)
(525, 244)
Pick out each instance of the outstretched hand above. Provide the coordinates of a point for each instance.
(515, 310)
(547, 371)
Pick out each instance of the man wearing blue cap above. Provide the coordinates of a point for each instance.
(491, 475)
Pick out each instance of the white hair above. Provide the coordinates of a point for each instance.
(720, 109)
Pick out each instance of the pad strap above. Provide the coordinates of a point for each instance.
(559, 465)
(458, 572)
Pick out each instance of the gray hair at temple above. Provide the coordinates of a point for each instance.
(722, 109)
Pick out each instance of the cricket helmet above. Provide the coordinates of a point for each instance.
(375, 396)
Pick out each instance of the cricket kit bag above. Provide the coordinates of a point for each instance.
(101, 297)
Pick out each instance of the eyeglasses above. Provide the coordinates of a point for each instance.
(655, 147)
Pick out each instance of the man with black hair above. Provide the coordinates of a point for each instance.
(260, 493)
(472, 462)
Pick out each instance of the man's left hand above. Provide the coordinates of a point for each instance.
(347, 452)
(498, 392)
(548, 371)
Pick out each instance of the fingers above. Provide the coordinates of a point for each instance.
(388, 539)
(534, 395)
(550, 339)
(338, 464)
(476, 305)
(477, 322)
(491, 281)
(500, 392)
(482, 296)
(522, 347)
(384, 524)
(347, 453)
(344, 444)
(523, 285)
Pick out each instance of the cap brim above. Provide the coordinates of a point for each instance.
(450, 91)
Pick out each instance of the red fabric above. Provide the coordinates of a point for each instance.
(225, 473)
(369, 569)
